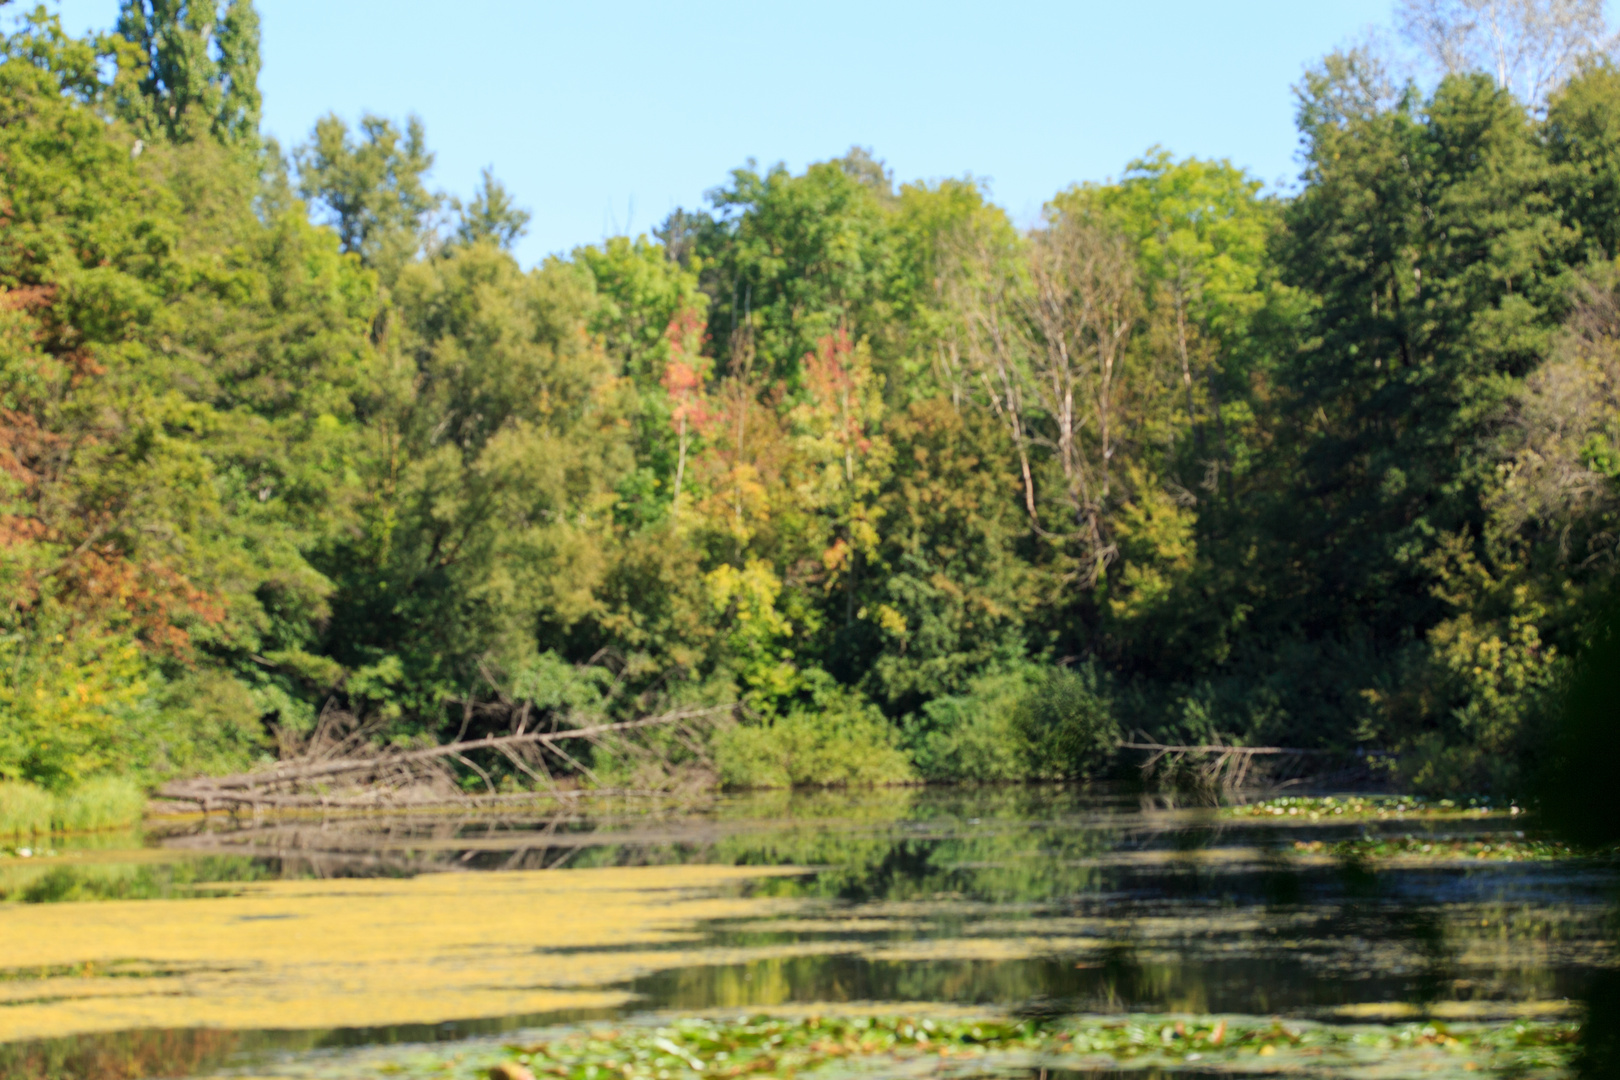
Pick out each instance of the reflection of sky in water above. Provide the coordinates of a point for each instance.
(1025, 897)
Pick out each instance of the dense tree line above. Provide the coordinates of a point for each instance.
(285, 433)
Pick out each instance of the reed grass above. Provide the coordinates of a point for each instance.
(25, 810)
(108, 802)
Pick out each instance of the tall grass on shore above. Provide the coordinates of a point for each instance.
(108, 802)
(24, 809)
(103, 803)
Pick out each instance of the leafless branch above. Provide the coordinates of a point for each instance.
(1528, 46)
(376, 774)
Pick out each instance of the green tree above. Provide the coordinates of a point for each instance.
(182, 366)
(790, 259)
(492, 216)
(642, 300)
(950, 591)
(492, 472)
(1431, 250)
(200, 71)
(1202, 233)
(372, 188)
(1583, 141)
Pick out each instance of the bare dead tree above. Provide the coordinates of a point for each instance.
(1529, 46)
(1564, 428)
(348, 772)
(983, 281)
(1046, 335)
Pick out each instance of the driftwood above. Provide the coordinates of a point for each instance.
(1219, 765)
(373, 776)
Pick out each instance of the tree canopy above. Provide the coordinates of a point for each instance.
(288, 436)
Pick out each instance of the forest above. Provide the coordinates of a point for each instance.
(906, 491)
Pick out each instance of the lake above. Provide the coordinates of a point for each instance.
(371, 945)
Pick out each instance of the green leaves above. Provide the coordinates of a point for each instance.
(492, 216)
(790, 259)
(183, 383)
(372, 187)
(1259, 466)
(199, 69)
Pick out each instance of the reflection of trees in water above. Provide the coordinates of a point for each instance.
(46, 882)
(1097, 903)
(124, 1056)
(1121, 978)
(894, 843)
(171, 1052)
(805, 979)
(1578, 800)
(1035, 899)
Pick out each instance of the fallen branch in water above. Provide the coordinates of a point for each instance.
(1218, 764)
(389, 776)
(1219, 748)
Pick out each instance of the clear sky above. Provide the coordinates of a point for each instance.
(601, 117)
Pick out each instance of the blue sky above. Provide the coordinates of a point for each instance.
(602, 117)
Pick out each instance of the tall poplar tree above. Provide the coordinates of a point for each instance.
(200, 68)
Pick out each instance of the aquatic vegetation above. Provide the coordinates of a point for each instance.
(1498, 848)
(364, 952)
(777, 1046)
(1324, 807)
(125, 1056)
(688, 1048)
(908, 897)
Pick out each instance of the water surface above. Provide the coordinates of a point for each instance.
(221, 941)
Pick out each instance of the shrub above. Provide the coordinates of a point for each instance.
(24, 809)
(83, 703)
(839, 741)
(971, 737)
(107, 802)
(207, 722)
(1066, 725)
(72, 702)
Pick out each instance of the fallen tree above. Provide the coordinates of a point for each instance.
(339, 768)
(1222, 765)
